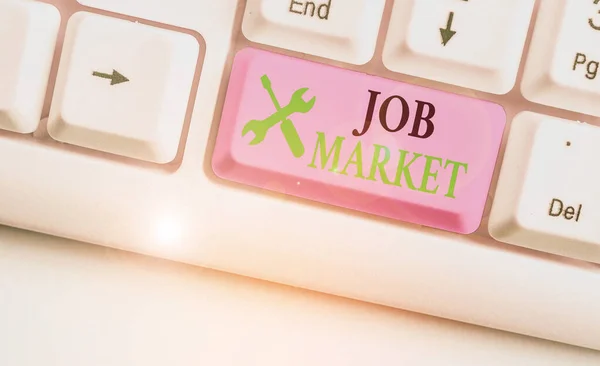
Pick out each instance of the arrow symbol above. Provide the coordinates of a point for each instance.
(115, 77)
(447, 32)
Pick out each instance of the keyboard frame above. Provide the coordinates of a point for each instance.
(189, 215)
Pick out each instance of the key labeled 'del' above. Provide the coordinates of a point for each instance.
(545, 198)
(559, 209)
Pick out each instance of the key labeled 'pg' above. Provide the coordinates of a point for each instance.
(589, 66)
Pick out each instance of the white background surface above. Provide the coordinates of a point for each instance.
(70, 304)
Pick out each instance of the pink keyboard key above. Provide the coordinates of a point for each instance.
(358, 141)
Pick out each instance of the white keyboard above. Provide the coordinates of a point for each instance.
(432, 155)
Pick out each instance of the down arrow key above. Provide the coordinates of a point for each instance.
(447, 33)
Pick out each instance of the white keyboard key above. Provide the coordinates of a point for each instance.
(28, 31)
(562, 65)
(470, 43)
(547, 196)
(123, 87)
(344, 30)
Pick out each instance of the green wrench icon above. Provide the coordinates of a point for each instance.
(297, 104)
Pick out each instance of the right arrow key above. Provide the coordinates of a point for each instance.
(472, 44)
(115, 78)
(123, 87)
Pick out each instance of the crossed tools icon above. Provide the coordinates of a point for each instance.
(296, 104)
